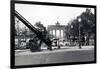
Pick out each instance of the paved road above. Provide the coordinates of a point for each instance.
(55, 56)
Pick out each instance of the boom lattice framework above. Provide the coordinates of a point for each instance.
(32, 28)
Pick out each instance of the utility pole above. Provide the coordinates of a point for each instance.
(79, 19)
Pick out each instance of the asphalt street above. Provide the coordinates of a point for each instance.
(56, 56)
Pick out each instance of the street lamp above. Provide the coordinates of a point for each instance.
(79, 19)
(71, 26)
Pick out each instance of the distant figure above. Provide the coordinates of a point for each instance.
(83, 40)
(55, 43)
(87, 39)
(73, 40)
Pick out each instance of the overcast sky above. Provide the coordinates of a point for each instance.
(48, 15)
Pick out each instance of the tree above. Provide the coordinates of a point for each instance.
(88, 21)
(87, 25)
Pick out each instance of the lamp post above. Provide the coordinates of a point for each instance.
(79, 19)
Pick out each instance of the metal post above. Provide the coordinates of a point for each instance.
(79, 37)
(79, 34)
(60, 33)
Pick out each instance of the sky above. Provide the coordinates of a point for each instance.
(48, 15)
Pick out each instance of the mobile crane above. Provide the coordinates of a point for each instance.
(46, 40)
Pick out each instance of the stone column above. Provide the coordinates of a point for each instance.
(55, 33)
(63, 33)
(48, 31)
(51, 32)
(60, 33)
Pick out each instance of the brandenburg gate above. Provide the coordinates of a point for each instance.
(57, 31)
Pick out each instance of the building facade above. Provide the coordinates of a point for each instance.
(57, 31)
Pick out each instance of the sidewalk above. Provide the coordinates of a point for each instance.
(69, 54)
